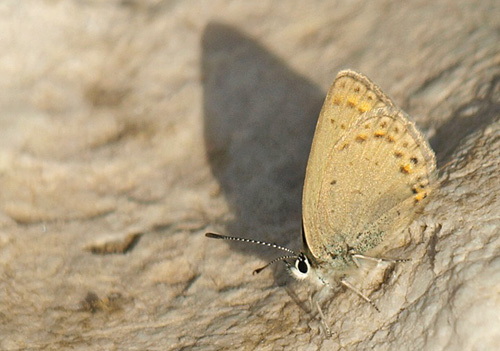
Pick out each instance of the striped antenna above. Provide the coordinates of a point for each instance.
(282, 258)
(252, 241)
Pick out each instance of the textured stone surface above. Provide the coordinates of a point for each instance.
(137, 126)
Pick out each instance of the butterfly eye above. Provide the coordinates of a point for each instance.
(302, 266)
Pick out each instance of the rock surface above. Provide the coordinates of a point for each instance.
(130, 128)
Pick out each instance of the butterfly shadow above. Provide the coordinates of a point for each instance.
(259, 119)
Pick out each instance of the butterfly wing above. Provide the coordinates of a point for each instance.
(350, 96)
(377, 177)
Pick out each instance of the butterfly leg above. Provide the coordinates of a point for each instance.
(323, 321)
(328, 331)
(359, 293)
(357, 257)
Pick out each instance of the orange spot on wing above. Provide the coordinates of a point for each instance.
(406, 168)
(363, 107)
(361, 137)
(420, 196)
(352, 101)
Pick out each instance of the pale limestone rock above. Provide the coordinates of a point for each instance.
(175, 118)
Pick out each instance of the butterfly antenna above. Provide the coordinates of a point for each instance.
(282, 258)
(252, 241)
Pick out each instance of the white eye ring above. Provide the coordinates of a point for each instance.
(301, 268)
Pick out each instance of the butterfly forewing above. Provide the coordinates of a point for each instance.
(350, 96)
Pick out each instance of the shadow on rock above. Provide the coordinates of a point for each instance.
(259, 122)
